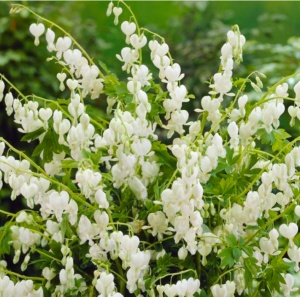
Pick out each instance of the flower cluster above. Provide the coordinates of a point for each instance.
(110, 210)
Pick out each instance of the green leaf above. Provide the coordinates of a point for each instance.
(5, 247)
(94, 157)
(274, 279)
(236, 253)
(231, 240)
(265, 137)
(226, 257)
(69, 164)
(164, 156)
(48, 146)
(33, 135)
(250, 264)
(65, 227)
(264, 290)
(104, 67)
(56, 248)
(280, 139)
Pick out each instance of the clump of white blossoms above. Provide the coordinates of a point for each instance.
(110, 210)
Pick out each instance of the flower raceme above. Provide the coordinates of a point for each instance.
(110, 210)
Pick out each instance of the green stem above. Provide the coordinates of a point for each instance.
(24, 156)
(40, 251)
(270, 222)
(121, 276)
(264, 168)
(272, 89)
(44, 175)
(13, 86)
(160, 241)
(137, 25)
(173, 274)
(34, 278)
(223, 274)
(61, 29)
(198, 264)
(7, 213)
(172, 178)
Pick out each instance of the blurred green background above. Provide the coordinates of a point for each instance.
(194, 30)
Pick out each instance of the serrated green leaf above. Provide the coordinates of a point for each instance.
(265, 137)
(226, 257)
(280, 139)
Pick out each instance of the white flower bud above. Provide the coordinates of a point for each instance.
(182, 253)
(297, 210)
(109, 9)
(50, 37)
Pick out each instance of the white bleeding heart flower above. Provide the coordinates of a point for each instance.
(37, 30)
(138, 41)
(117, 11)
(173, 73)
(45, 114)
(61, 77)
(28, 190)
(288, 231)
(128, 29)
(109, 8)
(72, 84)
(50, 36)
(162, 49)
(62, 44)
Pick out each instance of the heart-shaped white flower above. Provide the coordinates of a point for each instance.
(28, 190)
(61, 76)
(162, 49)
(128, 28)
(288, 231)
(72, 84)
(173, 73)
(138, 41)
(37, 30)
(117, 11)
(45, 114)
